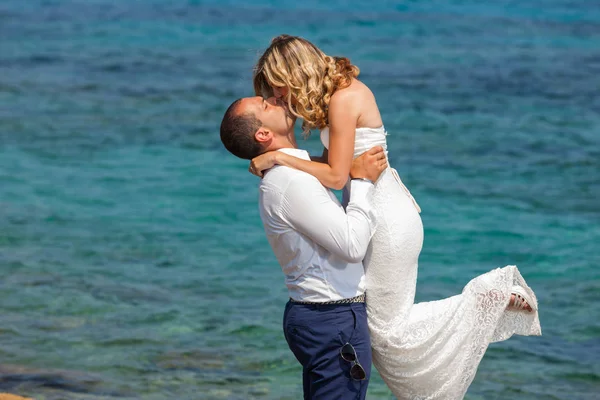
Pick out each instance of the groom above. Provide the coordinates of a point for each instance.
(319, 247)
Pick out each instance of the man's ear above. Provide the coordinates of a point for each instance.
(263, 135)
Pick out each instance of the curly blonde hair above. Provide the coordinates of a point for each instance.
(310, 75)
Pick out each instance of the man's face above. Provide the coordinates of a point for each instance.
(271, 112)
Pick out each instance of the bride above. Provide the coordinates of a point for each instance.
(427, 350)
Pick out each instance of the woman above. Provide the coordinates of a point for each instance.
(422, 351)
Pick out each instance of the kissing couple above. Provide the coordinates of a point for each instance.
(351, 267)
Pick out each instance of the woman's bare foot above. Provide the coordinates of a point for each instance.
(517, 302)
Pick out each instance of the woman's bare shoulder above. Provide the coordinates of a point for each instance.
(357, 99)
(356, 92)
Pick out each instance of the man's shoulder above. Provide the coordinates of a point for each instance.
(282, 176)
(282, 182)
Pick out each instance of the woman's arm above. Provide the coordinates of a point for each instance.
(343, 118)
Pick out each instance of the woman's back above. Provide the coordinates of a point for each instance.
(361, 95)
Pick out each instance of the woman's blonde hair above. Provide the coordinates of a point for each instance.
(310, 75)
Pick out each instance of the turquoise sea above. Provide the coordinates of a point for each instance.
(133, 263)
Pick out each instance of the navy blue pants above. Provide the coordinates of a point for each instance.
(315, 334)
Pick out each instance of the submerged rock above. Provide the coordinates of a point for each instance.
(14, 378)
(8, 396)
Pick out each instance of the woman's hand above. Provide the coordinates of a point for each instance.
(262, 163)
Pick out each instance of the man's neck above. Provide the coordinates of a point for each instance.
(282, 144)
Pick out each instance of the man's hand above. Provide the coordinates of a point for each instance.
(369, 165)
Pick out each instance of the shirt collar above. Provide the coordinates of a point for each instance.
(299, 153)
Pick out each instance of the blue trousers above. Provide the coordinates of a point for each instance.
(315, 334)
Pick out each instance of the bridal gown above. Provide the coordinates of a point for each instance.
(428, 350)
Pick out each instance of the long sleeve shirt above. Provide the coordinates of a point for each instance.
(319, 246)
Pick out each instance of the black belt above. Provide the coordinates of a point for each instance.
(357, 299)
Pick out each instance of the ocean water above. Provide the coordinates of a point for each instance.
(133, 263)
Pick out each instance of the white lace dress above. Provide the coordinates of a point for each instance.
(428, 350)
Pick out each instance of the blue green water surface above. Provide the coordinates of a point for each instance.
(133, 263)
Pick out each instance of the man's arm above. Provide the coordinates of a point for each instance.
(309, 209)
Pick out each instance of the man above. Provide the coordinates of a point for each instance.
(319, 247)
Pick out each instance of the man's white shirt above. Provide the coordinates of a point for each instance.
(319, 246)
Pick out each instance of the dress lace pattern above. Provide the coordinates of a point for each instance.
(428, 350)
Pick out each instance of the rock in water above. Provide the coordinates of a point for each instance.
(8, 396)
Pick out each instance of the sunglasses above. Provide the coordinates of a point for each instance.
(357, 372)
